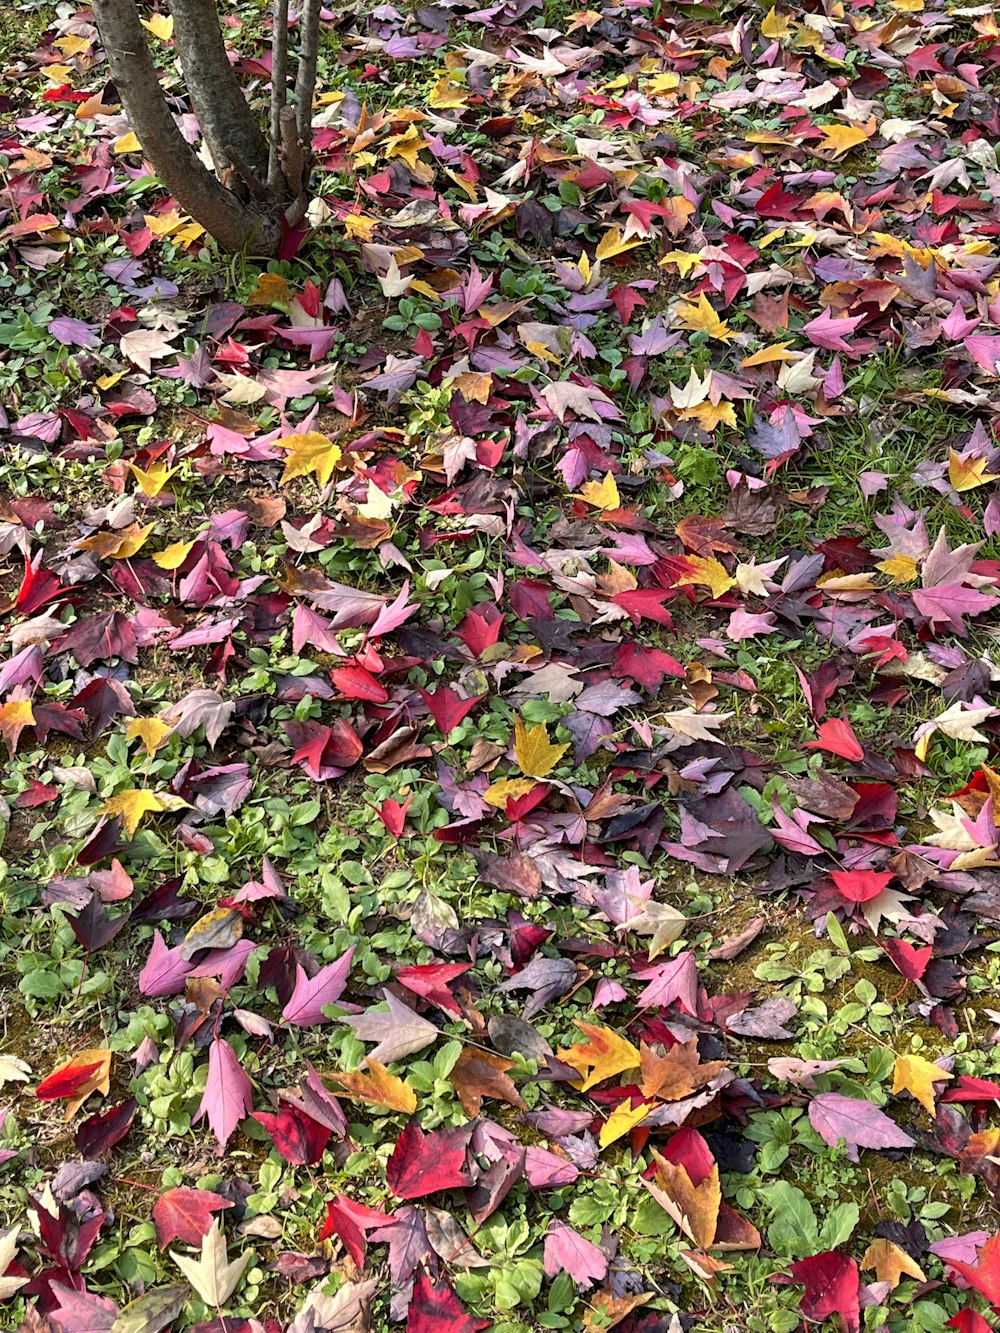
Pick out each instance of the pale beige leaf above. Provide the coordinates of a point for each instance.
(213, 1277)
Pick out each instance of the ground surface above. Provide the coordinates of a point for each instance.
(504, 694)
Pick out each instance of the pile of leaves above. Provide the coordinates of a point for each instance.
(500, 815)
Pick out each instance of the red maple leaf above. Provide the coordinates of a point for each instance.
(434, 1308)
(836, 736)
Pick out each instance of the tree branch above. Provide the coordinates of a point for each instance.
(305, 75)
(222, 110)
(279, 92)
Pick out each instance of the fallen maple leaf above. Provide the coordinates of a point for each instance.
(422, 1163)
(602, 495)
(228, 1095)
(350, 1221)
(676, 1074)
(304, 1007)
(965, 473)
(695, 1208)
(566, 1251)
(917, 1076)
(15, 715)
(309, 453)
(836, 736)
(76, 1079)
(212, 1275)
(536, 755)
(477, 1074)
(601, 1056)
(890, 1263)
(856, 1121)
(831, 1282)
(184, 1213)
(398, 1029)
(434, 1308)
(378, 1088)
(133, 806)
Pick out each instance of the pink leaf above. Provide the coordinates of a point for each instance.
(856, 1121)
(393, 615)
(566, 1251)
(228, 1095)
(305, 1004)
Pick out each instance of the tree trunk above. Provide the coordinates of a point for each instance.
(264, 181)
(234, 225)
(225, 119)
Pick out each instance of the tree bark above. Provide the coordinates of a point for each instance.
(219, 211)
(279, 90)
(225, 119)
(305, 75)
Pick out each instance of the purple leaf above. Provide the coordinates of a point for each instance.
(399, 1032)
(676, 979)
(859, 1123)
(74, 332)
(305, 1005)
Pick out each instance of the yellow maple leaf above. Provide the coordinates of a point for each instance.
(890, 1263)
(174, 555)
(119, 545)
(612, 243)
(499, 793)
(777, 25)
(446, 95)
(840, 139)
(965, 474)
(709, 416)
(601, 1056)
(72, 46)
(622, 1120)
(133, 538)
(160, 25)
(900, 568)
(682, 260)
(378, 1087)
(917, 1076)
(700, 317)
(473, 386)
(128, 143)
(407, 146)
(150, 730)
(162, 224)
(153, 480)
(602, 495)
(536, 755)
(768, 354)
(312, 452)
(360, 227)
(133, 806)
(58, 74)
(15, 715)
(708, 572)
